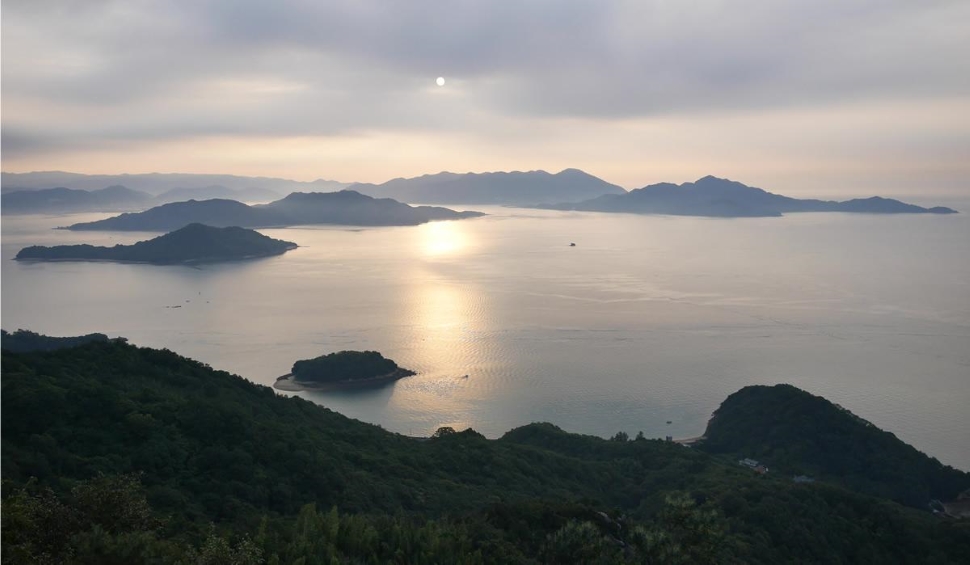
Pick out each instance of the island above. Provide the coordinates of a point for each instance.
(342, 370)
(345, 207)
(723, 198)
(194, 243)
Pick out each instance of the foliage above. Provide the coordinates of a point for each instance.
(22, 341)
(794, 432)
(234, 472)
(344, 366)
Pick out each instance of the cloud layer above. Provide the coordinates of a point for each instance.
(247, 82)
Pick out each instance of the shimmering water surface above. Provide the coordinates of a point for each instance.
(647, 319)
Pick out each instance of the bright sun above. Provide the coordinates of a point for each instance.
(440, 81)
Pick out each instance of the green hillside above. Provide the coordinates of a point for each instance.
(118, 454)
(794, 432)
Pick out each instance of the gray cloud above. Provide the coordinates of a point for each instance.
(76, 72)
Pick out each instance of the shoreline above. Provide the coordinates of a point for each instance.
(289, 383)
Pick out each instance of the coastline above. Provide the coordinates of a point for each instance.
(289, 383)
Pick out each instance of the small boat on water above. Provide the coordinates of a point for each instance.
(572, 245)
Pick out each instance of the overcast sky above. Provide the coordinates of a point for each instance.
(815, 97)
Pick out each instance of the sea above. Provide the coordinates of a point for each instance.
(646, 324)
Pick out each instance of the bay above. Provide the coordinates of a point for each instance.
(648, 319)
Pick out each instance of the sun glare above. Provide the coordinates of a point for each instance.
(439, 239)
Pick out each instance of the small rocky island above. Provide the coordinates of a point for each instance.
(194, 243)
(341, 370)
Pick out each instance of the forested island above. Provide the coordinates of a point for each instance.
(343, 369)
(194, 243)
(113, 453)
(345, 207)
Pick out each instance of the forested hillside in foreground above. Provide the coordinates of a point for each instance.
(799, 433)
(117, 454)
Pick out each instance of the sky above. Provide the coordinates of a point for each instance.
(820, 97)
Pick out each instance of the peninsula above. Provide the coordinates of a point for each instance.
(341, 370)
(194, 243)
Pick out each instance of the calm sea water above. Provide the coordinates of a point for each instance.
(647, 319)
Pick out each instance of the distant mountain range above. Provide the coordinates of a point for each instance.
(158, 183)
(712, 196)
(570, 189)
(66, 200)
(512, 188)
(194, 243)
(346, 207)
(500, 188)
(118, 198)
(251, 194)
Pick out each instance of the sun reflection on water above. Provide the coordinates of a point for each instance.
(446, 320)
(443, 239)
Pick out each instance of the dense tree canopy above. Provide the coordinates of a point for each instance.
(345, 366)
(795, 432)
(210, 468)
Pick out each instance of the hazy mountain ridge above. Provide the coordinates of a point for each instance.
(249, 194)
(500, 188)
(194, 243)
(65, 200)
(346, 207)
(712, 196)
(118, 198)
(157, 183)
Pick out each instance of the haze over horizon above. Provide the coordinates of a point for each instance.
(805, 99)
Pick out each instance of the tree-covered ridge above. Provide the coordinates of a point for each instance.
(346, 366)
(193, 243)
(212, 448)
(22, 341)
(795, 432)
